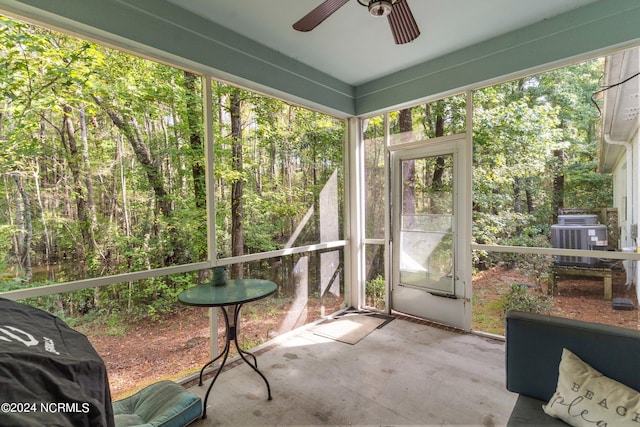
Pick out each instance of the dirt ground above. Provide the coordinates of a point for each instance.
(177, 345)
(579, 298)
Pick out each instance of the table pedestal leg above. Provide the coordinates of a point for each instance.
(225, 351)
(241, 352)
(230, 335)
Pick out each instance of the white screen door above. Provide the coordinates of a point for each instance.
(427, 198)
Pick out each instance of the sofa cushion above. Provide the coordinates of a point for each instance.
(528, 412)
(584, 397)
(534, 348)
(162, 404)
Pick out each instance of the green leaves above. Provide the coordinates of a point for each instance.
(527, 134)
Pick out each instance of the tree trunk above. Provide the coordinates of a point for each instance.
(23, 214)
(91, 207)
(85, 169)
(45, 230)
(439, 169)
(129, 127)
(529, 195)
(558, 183)
(405, 125)
(36, 181)
(14, 225)
(237, 239)
(408, 168)
(123, 187)
(517, 195)
(80, 193)
(194, 123)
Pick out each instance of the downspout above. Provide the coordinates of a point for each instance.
(632, 273)
(630, 199)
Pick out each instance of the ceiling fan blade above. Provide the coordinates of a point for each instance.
(403, 25)
(319, 14)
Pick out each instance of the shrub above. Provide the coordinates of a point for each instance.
(520, 299)
(374, 292)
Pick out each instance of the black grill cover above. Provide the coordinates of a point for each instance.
(50, 374)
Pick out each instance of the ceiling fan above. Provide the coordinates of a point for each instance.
(403, 25)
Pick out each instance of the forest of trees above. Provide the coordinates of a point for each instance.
(103, 169)
(536, 143)
(102, 161)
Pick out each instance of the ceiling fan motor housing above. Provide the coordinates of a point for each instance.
(379, 8)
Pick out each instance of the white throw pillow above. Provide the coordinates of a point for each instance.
(585, 397)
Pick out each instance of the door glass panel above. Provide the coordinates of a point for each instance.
(426, 223)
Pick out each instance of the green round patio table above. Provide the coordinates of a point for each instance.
(230, 296)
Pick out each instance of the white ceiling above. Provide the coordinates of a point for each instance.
(355, 47)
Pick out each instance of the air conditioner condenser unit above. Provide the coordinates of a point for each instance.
(578, 232)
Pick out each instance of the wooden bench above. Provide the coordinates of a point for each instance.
(570, 270)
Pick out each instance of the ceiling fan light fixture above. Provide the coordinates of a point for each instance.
(379, 8)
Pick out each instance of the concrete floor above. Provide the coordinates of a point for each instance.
(406, 373)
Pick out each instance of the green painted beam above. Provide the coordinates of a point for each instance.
(575, 34)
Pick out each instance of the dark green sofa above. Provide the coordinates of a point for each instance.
(534, 345)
